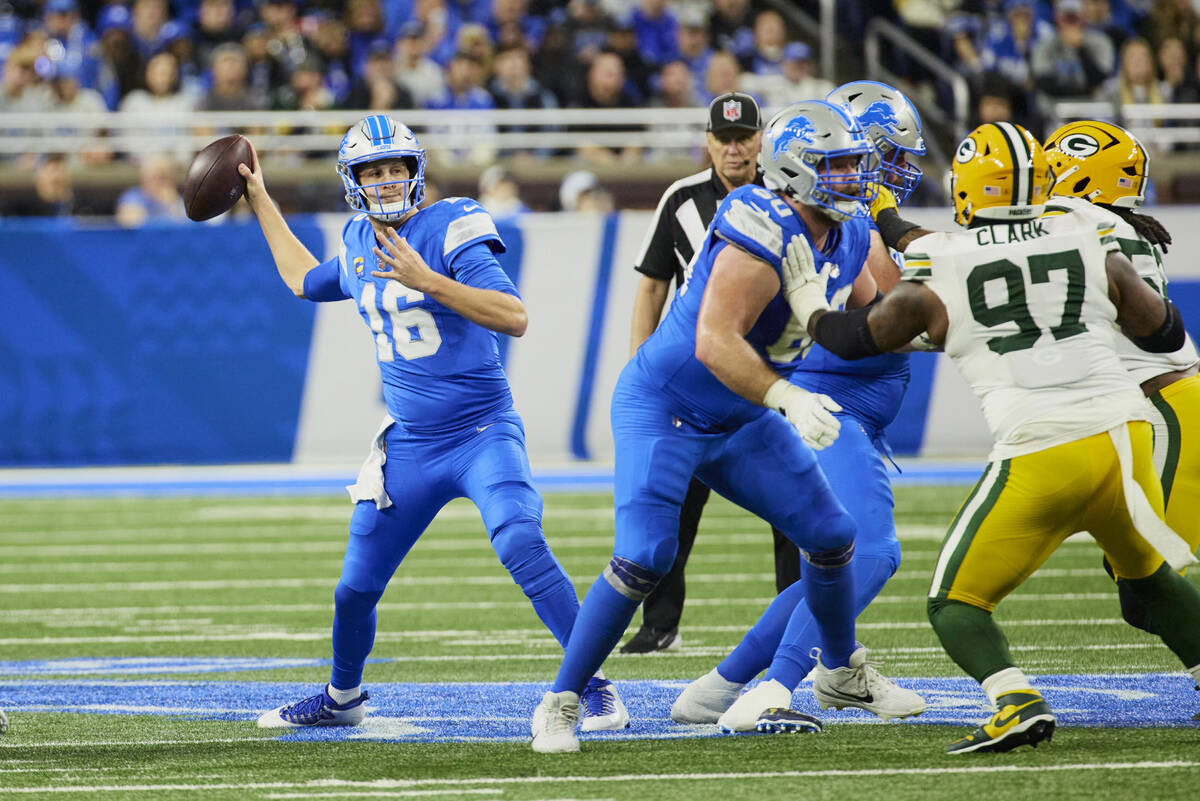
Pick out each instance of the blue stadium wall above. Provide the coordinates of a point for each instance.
(178, 344)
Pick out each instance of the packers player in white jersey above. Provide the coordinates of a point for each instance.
(1101, 170)
(1027, 307)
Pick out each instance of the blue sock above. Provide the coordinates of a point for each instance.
(353, 634)
(754, 652)
(603, 618)
(793, 660)
(548, 588)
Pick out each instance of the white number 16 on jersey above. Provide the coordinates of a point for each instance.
(414, 331)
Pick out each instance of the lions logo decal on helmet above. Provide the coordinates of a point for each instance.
(798, 128)
(893, 126)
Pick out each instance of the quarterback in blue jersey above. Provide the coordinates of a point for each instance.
(427, 284)
(700, 398)
(869, 392)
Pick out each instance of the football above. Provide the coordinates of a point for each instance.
(213, 184)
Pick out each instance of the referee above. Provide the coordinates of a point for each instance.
(733, 139)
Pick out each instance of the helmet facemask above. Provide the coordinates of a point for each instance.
(378, 138)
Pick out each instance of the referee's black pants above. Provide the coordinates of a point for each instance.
(664, 607)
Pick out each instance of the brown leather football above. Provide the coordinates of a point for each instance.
(213, 184)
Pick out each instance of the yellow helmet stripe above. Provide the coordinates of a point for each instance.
(1022, 164)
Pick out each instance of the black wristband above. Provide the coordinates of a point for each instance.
(892, 227)
(846, 334)
(1168, 338)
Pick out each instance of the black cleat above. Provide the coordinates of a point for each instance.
(648, 640)
(778, 720)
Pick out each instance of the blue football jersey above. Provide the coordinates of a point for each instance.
(440, 371)
(761, 223)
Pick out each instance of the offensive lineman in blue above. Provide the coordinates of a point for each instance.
(699, 398)
(869, 392)
(427, 284)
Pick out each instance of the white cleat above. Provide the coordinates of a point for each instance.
(554, 721)
(705, 699)
(747, 709)
(603, 709)
(861, 685)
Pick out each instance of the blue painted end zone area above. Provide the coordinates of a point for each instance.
(500, 711)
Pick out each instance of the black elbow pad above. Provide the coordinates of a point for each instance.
(892, 227)
(1169, 337)
(846, 334)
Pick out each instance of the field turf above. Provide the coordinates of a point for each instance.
(140, 637)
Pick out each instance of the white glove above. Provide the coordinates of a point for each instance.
(803, 286)
(809, 412)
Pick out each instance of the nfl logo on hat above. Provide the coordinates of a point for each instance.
(732, 110)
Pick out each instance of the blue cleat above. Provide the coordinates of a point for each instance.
(317, 710)
(603, 709)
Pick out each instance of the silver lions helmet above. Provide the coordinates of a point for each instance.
(372, 139)
(798, 148)
(892, 124)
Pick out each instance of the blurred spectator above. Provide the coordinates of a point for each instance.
(159, 93)
(434, 19)
(474, 40)
(464, 91)
(121, 66)
(53, 194)
(587, 29)
(500, 195)
(364, 25)
(994, 102)
(231, 89)
(605, 89)
(1136, 80)
(555, 65)
(729, 27)
(925, 21)
(416, 72)
(284, 42)
(177, 39)
(770, 36)
(332, 44)
(1181, 85)
(622, 41)
(305, 89)
(216, 24)
(22, 90)
(1178, 18)
(692, 42)
(377, 89)
(71, 97)
(62, 23)
(513, 15)
(580, 191)
(466, 12)
(676, 87)
(796, 79)
(149, 16)
(514, 87)
(1009, 46)
(1075, 61)
(264, 72)
(1098, 16)
(156, 196)
(655, 27)
(723, 75)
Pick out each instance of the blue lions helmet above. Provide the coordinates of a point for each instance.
(892, 124)
(374, 138)
(799, 144)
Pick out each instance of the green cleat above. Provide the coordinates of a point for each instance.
(1022, 718)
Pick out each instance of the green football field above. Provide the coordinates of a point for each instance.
(139, 638)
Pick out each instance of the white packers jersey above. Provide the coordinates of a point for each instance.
(1147, 260)
(1031, 328)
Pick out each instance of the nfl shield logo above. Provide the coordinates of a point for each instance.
(732, 110)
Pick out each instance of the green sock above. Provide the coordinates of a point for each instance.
(970, 637)
(1174, 606)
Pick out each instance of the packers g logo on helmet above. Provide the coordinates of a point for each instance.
(1100, 162)
(999, 172)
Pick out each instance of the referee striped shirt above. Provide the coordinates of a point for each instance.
(680, 221)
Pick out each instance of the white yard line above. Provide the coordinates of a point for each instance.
(385, 784)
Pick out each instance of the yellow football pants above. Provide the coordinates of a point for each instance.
(1177, 454)
(1023, 508)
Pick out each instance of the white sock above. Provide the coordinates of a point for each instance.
(343, 696)
(1195, 671)
(599, 674)
(1005, 681)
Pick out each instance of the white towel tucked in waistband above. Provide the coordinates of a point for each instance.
(369, 485)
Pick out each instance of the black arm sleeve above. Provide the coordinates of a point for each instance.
(1167, 339)
(846, 334)
(892, 227)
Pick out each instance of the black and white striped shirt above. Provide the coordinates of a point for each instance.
(682, 217)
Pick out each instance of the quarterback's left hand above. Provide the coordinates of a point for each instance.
(803, 286)
(406, 265)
